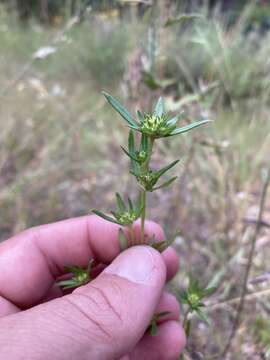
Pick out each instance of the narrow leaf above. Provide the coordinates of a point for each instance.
(120, 109)
(68, 284)
(135, 169)
(144, 143)
(194, 286)
(188, 127)
(182, 297)
(130, 205)
(173, 121)
(76, 270)
(128, 154)
(104, 216)
(114, 214)
(165, 169)
(159, 246)
(120, 203)
(131, 143)
(134, 127)
(153, 328)
(169, 130)
(203, 316)
(159, 108)
(123, 242)
(140, 116)
(166, 183)
(134, 166)
(162, 245)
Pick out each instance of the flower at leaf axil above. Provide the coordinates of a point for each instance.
(125, 214)
(156, 125)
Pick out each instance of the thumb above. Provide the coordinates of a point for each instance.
(102, 320)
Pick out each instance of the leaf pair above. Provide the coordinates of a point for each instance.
(137, 157)
(161, 245)
(149, 179)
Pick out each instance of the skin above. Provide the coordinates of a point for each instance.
(105, 319)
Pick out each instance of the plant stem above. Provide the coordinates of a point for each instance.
(186, 328)
(185, 322)
(132, 235)
(143, 192)
(143, 200)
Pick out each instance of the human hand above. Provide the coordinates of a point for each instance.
(105, 319)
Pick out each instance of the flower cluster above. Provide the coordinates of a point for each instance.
(146, 177)
(125, 214)
(155, 125)
(193, 297)
(140, 155)
(79, 277)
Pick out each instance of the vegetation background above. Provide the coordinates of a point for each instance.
(59, 140)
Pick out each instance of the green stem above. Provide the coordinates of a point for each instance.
(145, 167)
(143, 201)
(186, 324)
(132, 235)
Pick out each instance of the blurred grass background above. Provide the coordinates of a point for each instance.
(59, 140)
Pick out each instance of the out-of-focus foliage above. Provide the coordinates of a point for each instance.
(48, 9)
(261, 332)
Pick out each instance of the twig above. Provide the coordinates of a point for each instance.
(248, 268)
(248, 297)
(254, 222)
(261, 278)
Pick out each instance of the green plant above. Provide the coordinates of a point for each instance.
(261, 331)
(193, 298)
(154, 322)
(151, 127)
(79, 276)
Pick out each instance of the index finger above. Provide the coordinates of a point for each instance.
(31, 261)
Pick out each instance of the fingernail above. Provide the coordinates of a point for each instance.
(140, 264)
